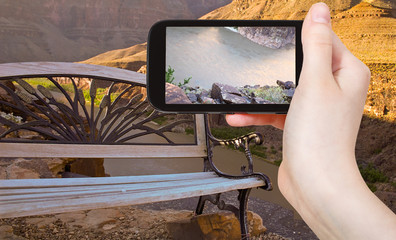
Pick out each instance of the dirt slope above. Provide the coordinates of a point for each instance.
(131, 58)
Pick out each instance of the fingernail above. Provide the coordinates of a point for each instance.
(320, 13)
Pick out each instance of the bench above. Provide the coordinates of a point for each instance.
(87, 111)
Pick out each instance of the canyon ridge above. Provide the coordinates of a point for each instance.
(74, 30)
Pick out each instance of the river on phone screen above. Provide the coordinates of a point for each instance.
(218, 54)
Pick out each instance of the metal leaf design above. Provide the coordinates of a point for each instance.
(121, 114)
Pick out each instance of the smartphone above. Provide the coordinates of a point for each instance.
(223, 66)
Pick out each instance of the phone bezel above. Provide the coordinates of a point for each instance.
(156, 55)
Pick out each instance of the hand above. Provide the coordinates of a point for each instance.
(319, 175)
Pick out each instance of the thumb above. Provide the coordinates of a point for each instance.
(317, 42)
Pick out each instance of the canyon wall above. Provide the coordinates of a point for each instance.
(73, 30)
(275, 37)
(287, 9)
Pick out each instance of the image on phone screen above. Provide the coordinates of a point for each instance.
(231, 65)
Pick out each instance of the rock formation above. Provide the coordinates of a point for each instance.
(285, 9)
(368, 31)
(31, 168)
(226, 94)
(365, 26)
(175, 95)
(223, 225)
(372, 32)
(274, 37)
(75, 30)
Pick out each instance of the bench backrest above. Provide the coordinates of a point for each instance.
(86, 111)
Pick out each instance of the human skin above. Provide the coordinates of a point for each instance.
(319, 175)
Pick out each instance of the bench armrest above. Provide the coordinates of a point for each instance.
(238, 142)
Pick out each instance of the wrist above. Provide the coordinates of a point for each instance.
(338, 205)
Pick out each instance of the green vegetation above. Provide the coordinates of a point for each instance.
(169, 78)
(160, 120)
(49, 85)
(185, 82)
(229, 133)
(260, 151)
(377, 151)
(273, 150)
(372, 187)
(189, 130)
(278, 162)
(372, 175)
(232, 132)
(273, 94)
(100, 92)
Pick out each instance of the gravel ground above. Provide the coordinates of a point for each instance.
(144, 222)
(278, 220)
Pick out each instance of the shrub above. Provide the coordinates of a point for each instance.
(169, 78)
(189, 130)
(372, 175)
(372, 187)
(230, 132)
(278, 162)
(185, 82)
(273, 94)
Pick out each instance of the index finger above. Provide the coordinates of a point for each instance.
(239, 120)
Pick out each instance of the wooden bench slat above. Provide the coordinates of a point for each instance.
(67, 182)
(32, 69)
(85, 202)
(46, 193)
(36, 150)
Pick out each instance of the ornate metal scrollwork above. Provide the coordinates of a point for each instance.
(69, 114)
(240, 213)
(215, 200)
(239, 142)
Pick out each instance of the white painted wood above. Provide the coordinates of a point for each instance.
(39, 69)
(92, 181)
(48, 204)
(24, 197)
(28, 193)
(200, 128)
(37, 150)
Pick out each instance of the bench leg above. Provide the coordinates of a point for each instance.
(243, 200)
(240, 213)
(200, 205)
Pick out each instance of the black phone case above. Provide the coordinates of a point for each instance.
(156, 66)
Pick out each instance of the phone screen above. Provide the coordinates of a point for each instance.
(230, 64)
